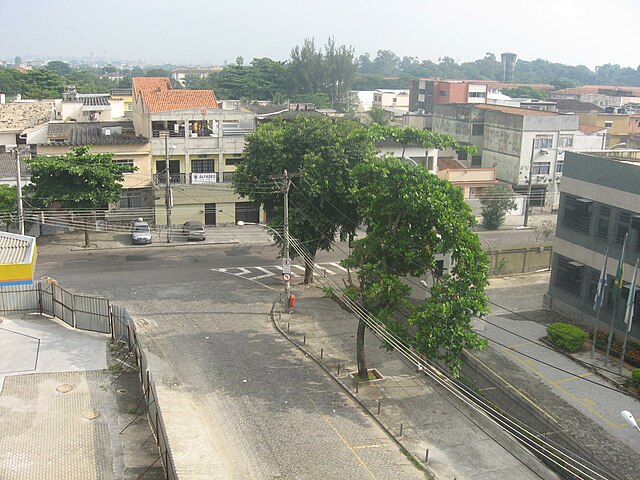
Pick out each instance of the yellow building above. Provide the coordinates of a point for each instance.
(116, 138)
(618, 125)
(18, 254)
(126, 95)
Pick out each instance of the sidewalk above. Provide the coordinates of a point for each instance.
(74, 241)
(422, 416)
(60, 415)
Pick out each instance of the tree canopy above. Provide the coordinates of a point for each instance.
(411, 218)
(323, 151)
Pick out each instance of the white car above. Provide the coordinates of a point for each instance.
(141, 233)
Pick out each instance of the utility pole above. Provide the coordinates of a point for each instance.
(19, 188)
(286, 178)
(167, 193)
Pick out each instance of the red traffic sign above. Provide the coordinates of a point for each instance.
(286, 277)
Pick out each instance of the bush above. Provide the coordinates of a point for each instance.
(635, 375)
(565, 336)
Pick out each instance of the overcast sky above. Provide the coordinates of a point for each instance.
(210, 32)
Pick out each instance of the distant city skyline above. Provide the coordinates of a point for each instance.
(202, 33)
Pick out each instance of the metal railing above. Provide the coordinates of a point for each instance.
(94, 314)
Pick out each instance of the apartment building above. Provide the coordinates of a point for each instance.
(518, 142)
(599, 205)
(424, 93)
(203, 144)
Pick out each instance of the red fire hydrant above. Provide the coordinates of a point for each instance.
(292, 303)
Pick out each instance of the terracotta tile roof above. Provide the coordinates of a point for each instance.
(168, 100)
(517, 111)
(150, 83)
(590, 129)
(157, 96)
(449, 163)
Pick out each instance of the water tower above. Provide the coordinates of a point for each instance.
(508, 66)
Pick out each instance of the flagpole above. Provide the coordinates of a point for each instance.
(615, 290)
(629, 316)
(600, 294)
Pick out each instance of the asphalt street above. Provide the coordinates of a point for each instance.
(265, 409)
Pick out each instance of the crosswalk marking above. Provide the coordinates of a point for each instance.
(268, 274)
(276, 270)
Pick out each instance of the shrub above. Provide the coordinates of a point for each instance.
(565, 336)
(635, 377)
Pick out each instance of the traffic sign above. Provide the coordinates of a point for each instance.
(286, 277)
(286, 265)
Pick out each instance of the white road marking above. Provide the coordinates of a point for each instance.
(338, 266)
(268, 274)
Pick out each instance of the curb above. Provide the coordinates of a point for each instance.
(415, 461)
(139, 247)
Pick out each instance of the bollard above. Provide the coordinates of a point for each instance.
(357, 382)
(400, 429)
(321, 353)
(379, 407)
(426, 456)
(280, 316)
(287, 327)
(338, 368)
(304, 340)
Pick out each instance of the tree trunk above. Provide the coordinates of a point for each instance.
(363, 372)
(308, 273)
(86, 238)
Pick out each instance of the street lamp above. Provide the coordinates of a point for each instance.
(622, 144)
(628, 417)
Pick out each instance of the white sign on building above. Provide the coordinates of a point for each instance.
(204, 177)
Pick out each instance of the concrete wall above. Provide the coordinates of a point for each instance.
(8, 139)
(520, 259)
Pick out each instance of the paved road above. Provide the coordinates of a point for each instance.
(261, 409)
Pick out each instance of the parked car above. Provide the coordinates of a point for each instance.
(140, 233)
(194, 230)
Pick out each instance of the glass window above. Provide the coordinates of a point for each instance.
(540, 168)
(602, 231)
(565, 141)
(577, 213)
(622, 228)
(559, 166)
(442, 93)
(543, 142)
(203, 166)
(569, 275)
(125, 161)
(230, 162)
(130, 199)
(476, 160)
(477, 129)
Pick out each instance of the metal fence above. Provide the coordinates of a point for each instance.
(97, 315)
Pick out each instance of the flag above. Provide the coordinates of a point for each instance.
(602, 283)
(628, 316)
(617, 283)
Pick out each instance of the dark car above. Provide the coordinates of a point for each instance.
(194, 230)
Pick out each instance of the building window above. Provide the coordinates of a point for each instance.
(442, 93)
(543, 142)
(565, 141)
(602, 230)
(125, 161)
(569, 275)
(608, 124)
(230, 162)
(203, 166)
(577, 213)
(476, 160)
(540, 168)
(476, 95)
(477, 129)
(130, 199)
(430, 163)
(462, 155)
(622, 228)
(559, 166)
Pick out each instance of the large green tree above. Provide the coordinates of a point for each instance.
(323, 151)
(76, 180)
(412, 217)
(8, 203)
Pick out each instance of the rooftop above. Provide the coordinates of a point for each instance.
(15, 248)
(449, 163)
(157, 96)
(516, 111)
(20, 116)
(8, 166)
(93, 133)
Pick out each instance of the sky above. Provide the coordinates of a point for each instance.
(212, 32)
